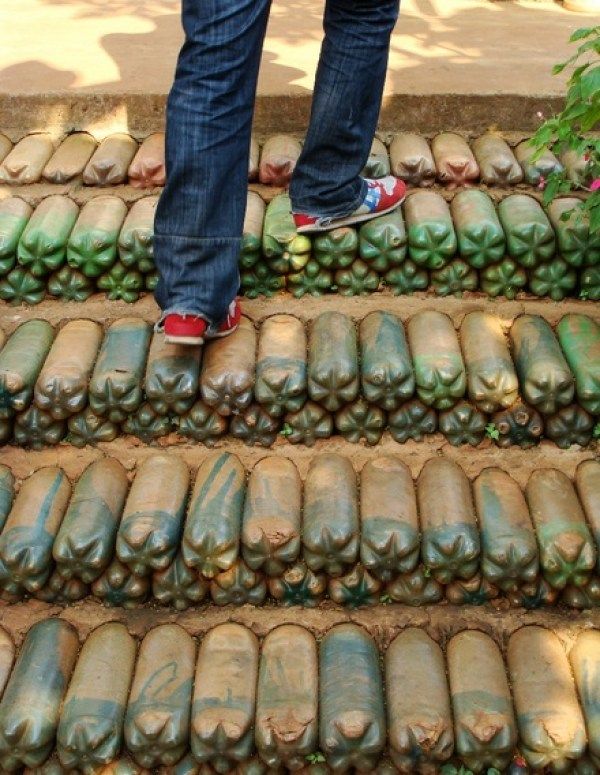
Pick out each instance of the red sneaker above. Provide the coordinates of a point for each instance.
(383, 196)
(229, 325)
(194, 330)
(184, 329)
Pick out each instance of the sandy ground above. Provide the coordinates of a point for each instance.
(131, 452)
(97, 307)
(108, 46)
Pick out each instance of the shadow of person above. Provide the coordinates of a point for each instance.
(35, 76)
(145, 60)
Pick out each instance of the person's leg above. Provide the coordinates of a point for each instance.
(199, 218)
(346, 103)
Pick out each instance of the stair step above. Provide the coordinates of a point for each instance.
(380, 537)
(513, 383)
(53, 247)
(229, 700)
(119, 158)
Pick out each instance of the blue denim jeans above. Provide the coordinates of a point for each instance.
(200, 215)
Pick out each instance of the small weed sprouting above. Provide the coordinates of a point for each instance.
(492, 432)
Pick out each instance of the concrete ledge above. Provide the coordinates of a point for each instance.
(141, 114)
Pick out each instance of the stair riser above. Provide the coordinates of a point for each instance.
(288, 699)
(378, 538)
(307, 384)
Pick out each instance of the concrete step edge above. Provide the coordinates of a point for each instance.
(142, 114)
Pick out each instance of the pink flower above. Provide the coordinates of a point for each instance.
(542, 183)
(595, 186)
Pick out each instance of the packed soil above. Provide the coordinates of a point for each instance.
(131, 452)
(383, 622)
(98, 308)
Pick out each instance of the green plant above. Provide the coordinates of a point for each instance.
(286, 430)
(385, 599)
(315, 758)
(596, 431)
(492, 432)
(569, 130)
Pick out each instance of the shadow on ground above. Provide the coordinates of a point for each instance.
(130, 46)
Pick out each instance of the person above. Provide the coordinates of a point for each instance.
(200, 215)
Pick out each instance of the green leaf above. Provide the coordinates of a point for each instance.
(597, 430)
(594, 211)
(581, 33)
(590, 83)
(544, 135)
(492, 432)
(552, 186)
(493, 771)
(448, 769)
(579, 70)
(576, 110)
(591, 119)
(286, 430)
(589, 45)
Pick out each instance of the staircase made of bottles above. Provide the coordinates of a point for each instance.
(360, 534)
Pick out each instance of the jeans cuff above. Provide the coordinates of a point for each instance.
(298, 209)
(194, 240)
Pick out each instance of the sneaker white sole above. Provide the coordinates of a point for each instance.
(192, 341)
(349, 220)
(198, 340)
(221, 334)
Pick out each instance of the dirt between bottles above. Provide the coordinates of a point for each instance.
(440, 621)
(131, 452)
(306, 309)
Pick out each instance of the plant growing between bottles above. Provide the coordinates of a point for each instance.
(569, 129)
(492, 432)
